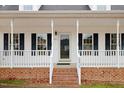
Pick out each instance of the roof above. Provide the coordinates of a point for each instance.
(9, 7)
(117, 7)
(64, 7)
(58, 7)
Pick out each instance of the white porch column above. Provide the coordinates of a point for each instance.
(78, 60)
(51, 60)
(118, 28)
(52, 28)
(77, 28)
(12, 27)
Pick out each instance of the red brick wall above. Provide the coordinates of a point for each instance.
(41, 74)
(89, 75)
(111, 75)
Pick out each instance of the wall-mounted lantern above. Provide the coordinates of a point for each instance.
(55, 33)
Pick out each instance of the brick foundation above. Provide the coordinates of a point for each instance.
(88, 75)
(102, 75)
(34, 74)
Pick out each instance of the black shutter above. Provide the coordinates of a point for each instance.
(5, 41)
(107, 41)
(122, 41)
(49, 41)
(95, 38)
(22, 41)
(33, 41)
(80, 41)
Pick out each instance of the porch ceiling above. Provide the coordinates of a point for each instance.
(62, 22)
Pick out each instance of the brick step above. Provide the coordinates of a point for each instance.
(59, 78)
(64, 86)
(65, 82)
(65, 73)
(65, 76)
(65, 69)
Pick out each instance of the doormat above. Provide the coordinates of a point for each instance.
(63, 63)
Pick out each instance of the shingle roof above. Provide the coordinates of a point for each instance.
(60, 7)
(64, 7)
(9, 7)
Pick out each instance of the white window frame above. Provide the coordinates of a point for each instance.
(111, 41)
(37, 39)
(9, 41)
(92, 40)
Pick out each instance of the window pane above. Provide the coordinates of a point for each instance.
(113, 47)
(87, 41)
(101, 7)
(87, 47)
(41, 41)
(15, 42)
(27, 7)
(64, 46)
(41, 47)
(113, 41)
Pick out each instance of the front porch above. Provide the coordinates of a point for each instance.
(90, 40)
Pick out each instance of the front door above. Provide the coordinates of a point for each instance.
(64, 46)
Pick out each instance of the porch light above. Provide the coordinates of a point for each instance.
(55, 33)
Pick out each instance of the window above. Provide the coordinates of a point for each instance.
(88, 41)
(100, 7)
(41, 41)
(18, 41)
(28, 7)
(110, 41)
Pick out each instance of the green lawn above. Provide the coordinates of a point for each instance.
(12, 83)
(22, 83)
(103, 86)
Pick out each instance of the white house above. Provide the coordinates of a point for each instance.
(62, 38)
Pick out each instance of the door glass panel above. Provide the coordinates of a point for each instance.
(64, 46)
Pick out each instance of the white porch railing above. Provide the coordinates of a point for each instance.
(25, 58)
(101, 58)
